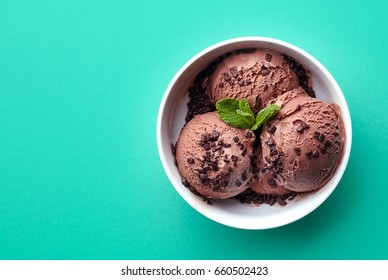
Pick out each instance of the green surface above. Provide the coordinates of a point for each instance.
(80, 87)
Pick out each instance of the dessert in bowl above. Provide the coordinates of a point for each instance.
(254, 177)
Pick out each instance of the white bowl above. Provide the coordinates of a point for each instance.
(231, 212)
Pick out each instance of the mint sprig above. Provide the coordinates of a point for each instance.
(238, 113)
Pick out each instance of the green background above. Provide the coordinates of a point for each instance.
(80, 87)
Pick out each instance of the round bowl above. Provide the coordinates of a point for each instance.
(231, 212)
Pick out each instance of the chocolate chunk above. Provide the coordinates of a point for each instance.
(190, 160)
(319, 136)
(327, 143)
(257, 102)
(316, 154)
(214, 166)
(309, 154)
(233, 71)
(297, 151)
(268, 57)
(244, 176)
(241, 82)
(244, 152)
(281, 201)
(270, 142)
(234, 158)
(206, 146)
(302, 126)
(271, 129)
(249, 135)
(236, 139)
(173, 149)
(237, 183)
(226, 145)
(264, 71)
(221, 85)
(298, 107)
(230, 169)
(241, 146)
(185, 182)
(323, 151)
(226, 77)
(265, 87)
(271, 183)
(214, 135)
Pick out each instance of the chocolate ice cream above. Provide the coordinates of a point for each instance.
(297, 151)
(258, 75)
(213, 157)
(301, 146)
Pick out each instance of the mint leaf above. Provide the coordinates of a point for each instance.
(235, 113)
(244, 106)
(265, 114)
(245, 111)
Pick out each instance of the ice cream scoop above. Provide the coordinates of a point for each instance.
(302, 145)
(258, 75)
(213, 157)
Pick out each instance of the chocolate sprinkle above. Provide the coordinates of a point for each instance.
(271, 129)
(249, 135)
(173, 149)
(271, 183)
(268, 57)
(214, 135)
(327, 143)
(264, 71)
(319, 136)
(302, 127)
(309, 154)
(251, 197)
(233, 71)
(299, 70)
(194, 191)
(244, 176)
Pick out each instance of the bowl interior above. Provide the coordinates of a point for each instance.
(231, 212)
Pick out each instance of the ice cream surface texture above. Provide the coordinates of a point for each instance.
(258, 75)
(213, 157)
(301, 146)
